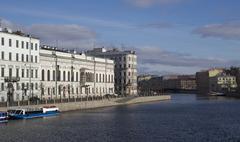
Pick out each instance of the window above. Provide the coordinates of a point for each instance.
(68, 76)
(96, 77)
(18, 86)
(10, 42)
(59, 76)
(31, 73)
(2, 86)
(2, 72)
(10, 72)
(36, 59)
(31, 58)
(22, 57)
(22, 73)
(23, 86)
(64, 76)
(36, 73)
(26, 58)
(76, 76)
(17, 42)
(17, 72)
(27, 72)
(27, 45)
(10, 56)
(72, 78)
(48, 75)
(2, 41)
(17, 59)
(36, 86)
(36, 46)
(22, 44)
(43, 75)
(31, 46)
(32, 86)
(2, 55)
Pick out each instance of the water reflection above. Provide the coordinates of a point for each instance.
(184, 118)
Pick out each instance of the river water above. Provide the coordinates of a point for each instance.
(185, 118)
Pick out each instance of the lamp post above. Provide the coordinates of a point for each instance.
(30, 66)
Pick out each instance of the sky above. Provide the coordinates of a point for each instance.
(169, 36)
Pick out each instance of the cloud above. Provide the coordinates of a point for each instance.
(155, 56)
(69, 36)
(223, 31)
(148, 3)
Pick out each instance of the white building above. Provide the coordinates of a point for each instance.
(125, 69)
(19, 63)
(24, 64)
(77, 74)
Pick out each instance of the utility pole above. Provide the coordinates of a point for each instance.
(30, 67)
(56, 74)
(94, 79)
(72, 73)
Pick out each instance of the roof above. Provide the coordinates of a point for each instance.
(17, 33)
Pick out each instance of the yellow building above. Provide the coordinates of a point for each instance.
(203, 79)
(223, 83)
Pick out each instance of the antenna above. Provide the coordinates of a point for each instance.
(0, 22)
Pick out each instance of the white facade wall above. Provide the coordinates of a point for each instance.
(68, 88)
(17, 59)
(125, 69)
(30, 63)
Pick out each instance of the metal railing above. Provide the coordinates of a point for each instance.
(69, 100)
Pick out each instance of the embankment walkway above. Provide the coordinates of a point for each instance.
(69, 106)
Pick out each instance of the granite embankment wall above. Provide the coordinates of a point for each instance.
(100, 103)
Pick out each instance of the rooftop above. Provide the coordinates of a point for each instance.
(103, 50)
(18, 33)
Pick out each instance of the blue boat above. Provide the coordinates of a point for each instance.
(3, 117)
(29, 113)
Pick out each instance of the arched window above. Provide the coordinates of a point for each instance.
(43, 75)
(68, 75)
(48, 75)
(76, 76)
(54, 75)
(59, 76)
(64, 76)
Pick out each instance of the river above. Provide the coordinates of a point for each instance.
(185, 118)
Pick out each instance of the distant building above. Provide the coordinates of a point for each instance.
(223, 83)
(145, 77)
(203, 79)
(125, 69)
(179, 83)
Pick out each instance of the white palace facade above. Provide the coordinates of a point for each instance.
(27, 71)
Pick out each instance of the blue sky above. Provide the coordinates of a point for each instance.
(170, 36)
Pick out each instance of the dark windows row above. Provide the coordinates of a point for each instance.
(24, 58)
(21, 44)
(25, 73)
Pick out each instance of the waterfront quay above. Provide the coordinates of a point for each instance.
(86, 103)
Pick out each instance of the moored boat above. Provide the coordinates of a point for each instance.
(28, 113)
(3, 117)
